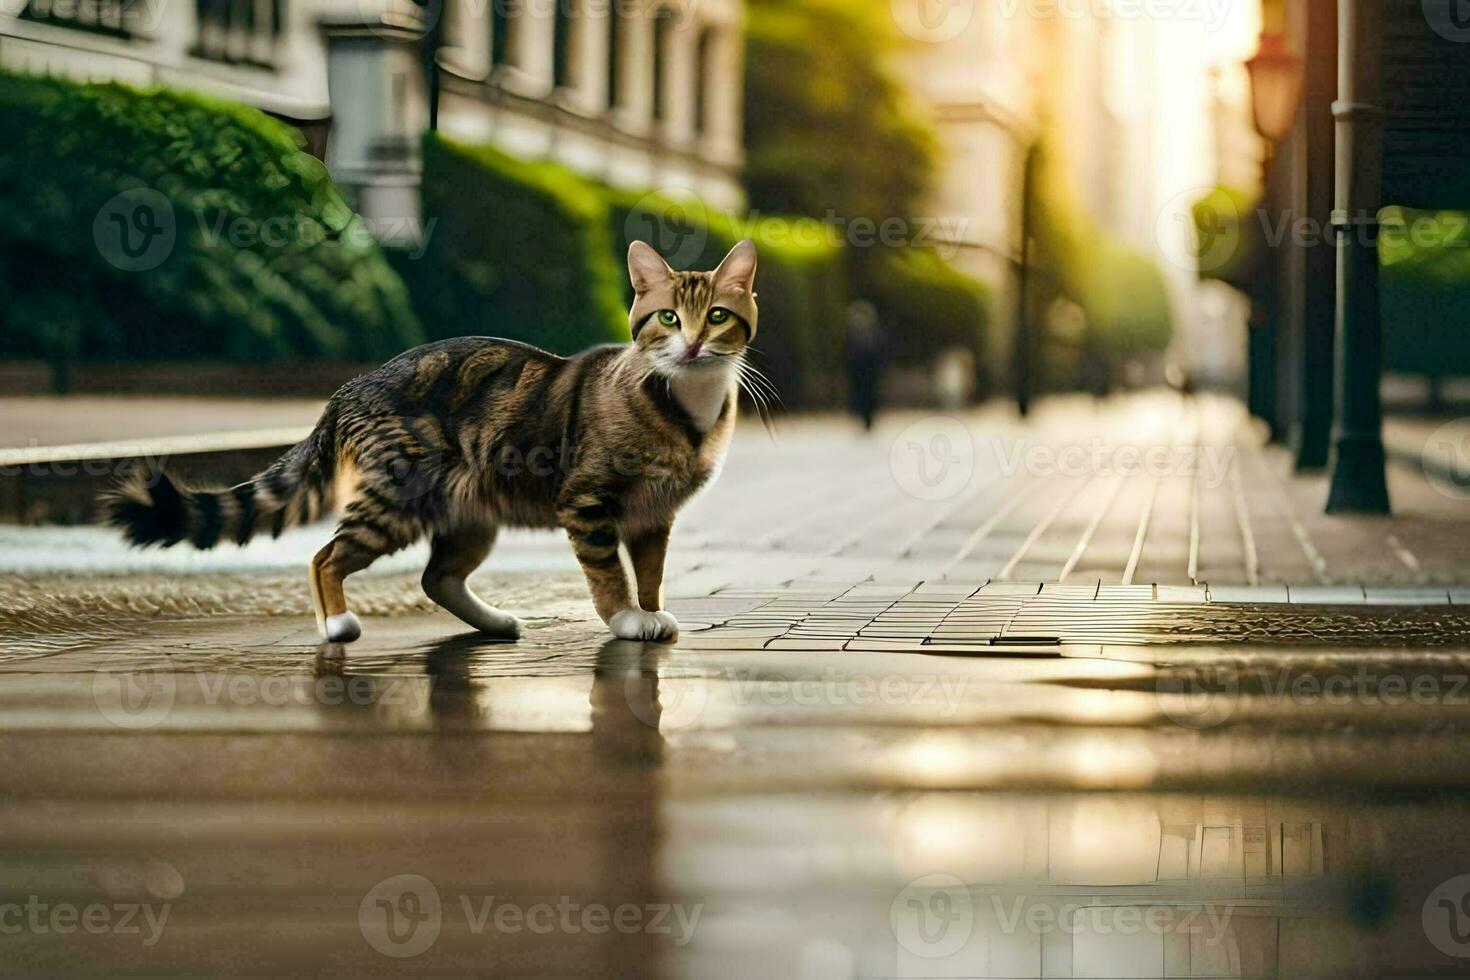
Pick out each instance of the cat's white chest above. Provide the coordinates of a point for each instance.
(703, 394)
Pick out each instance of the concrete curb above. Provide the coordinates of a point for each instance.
(60, 484)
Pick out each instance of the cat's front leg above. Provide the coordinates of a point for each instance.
(648, 551)
(590, 521)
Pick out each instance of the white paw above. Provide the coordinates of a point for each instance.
(501, 626)
(635, 624)
(343, 628)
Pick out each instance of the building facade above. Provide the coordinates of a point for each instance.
(642, 94)
(1130, 95)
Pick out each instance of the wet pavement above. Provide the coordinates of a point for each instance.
(842, 769)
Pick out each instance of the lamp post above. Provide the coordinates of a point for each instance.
(1276, 89)
(1358, 481)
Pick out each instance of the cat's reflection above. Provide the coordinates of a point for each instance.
(624, 696)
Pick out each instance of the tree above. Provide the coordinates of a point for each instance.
(156, 224)
(828, 129)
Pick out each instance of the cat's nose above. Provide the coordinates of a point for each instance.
(692, 351)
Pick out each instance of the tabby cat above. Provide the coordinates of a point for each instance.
(459, 438)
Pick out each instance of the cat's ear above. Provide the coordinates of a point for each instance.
(737, 271)
(646, 268)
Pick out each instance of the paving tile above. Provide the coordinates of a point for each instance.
(1069, 590)
(1326, 595)
(1116, 592)
(708, 641)
(1002, 649)
(947, 587)
(1407, 596)
(1181, 593)
(1248, 593)
(1009, 589)
(790, 643)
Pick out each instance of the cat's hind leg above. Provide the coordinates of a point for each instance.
(455, 556)
(368, 531)
(340, 558)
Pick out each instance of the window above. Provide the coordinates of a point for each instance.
(616, 34)
(663, 30)
(238, 31)
(561, 53)
(111, 17)
(500, 17)
(704, 76)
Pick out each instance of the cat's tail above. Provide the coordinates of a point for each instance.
(150, 508)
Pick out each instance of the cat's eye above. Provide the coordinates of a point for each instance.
(718, 316)
(668, 318)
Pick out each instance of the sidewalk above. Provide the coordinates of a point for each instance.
(952, 666)
(1145, 489)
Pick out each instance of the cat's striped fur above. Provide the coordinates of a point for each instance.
(456, 439)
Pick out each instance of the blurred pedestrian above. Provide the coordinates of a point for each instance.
(866, 351)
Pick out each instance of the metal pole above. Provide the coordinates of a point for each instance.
(1021, 352)
(1358, 483)
(1314, 294)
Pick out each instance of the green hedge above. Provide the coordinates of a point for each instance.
(237, 243)
(925, 304)
(1425, 287)
(515, 250)
(1118, 289)
(1130, 301)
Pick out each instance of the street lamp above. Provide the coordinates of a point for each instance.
(1276, 87)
